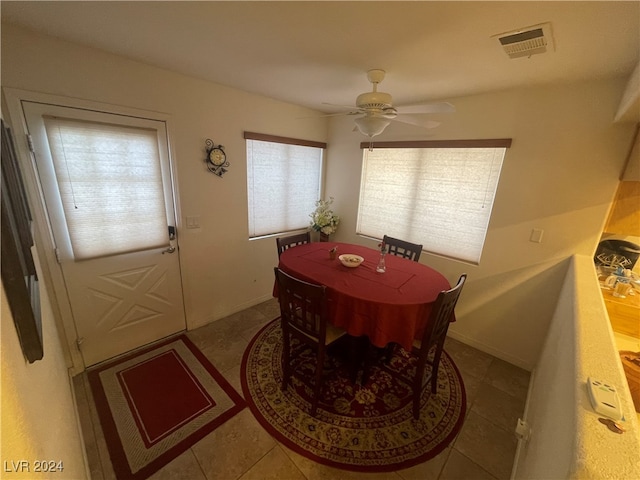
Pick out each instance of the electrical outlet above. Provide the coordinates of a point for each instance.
(193, 222)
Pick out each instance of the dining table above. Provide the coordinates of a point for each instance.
(389, 306)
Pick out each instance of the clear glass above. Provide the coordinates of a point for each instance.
(381, 266)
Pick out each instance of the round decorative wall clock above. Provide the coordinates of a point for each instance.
(216, 158)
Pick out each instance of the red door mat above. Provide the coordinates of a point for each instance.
(156, 403)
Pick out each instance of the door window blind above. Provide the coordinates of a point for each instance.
(110, 183)
(283, 183)
(438, 197)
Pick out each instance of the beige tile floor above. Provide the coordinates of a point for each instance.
(242, 449)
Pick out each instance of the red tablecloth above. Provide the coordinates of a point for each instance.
(387, 307)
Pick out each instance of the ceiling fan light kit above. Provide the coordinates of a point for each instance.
(371, 126)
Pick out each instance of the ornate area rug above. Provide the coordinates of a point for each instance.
(156, 403)
(365, 428)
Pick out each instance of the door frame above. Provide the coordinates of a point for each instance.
(43, 236)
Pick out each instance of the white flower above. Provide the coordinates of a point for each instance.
(323, 219)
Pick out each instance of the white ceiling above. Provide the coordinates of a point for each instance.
(308, 53)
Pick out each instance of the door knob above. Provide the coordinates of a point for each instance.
(171, 249)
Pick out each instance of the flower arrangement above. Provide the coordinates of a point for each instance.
(323, 219)
(383, 248)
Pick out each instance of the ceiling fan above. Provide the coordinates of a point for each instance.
(378, 112)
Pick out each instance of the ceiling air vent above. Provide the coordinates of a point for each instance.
(527, 41)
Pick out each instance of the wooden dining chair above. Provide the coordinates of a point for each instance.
(292, 241)
(433, 339)
(402, 248)
(303, 313)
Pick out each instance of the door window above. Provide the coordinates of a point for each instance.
(110, 184)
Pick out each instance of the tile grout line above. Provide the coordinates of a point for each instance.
(95, 429)
(204, 474)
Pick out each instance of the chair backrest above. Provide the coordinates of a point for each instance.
(441, 314)
(303, 306)
(402, 248)
(291, 241)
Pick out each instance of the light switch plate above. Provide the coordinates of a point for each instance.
(536, 235)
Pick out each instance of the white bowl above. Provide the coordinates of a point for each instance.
(350, 260)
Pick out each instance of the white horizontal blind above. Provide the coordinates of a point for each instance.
(438, 197)
(110, 183)
(283, 182)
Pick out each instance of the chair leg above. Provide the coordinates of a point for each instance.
(417, 389)
(318, 385)
(352, 358)
(286, 361)
(434, 379)
(388, 352)
(368, 357)
(435, 366)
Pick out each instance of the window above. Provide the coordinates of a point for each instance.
(110, 183)
(438, 194)
(283, 182)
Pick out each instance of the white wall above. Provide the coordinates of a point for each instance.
(632, 172)
(223, 271)
(560, 175)
(564, 427)
(38, 412)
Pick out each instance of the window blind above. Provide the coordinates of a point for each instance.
(283, 183)
(438, 197)
(110, 183)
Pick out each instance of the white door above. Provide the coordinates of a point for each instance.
(107, 187)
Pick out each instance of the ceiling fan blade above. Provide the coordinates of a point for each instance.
(418, 121)
(340, 114)
(353, 112)
(349, 107)
(440, 107)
